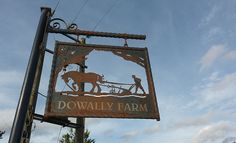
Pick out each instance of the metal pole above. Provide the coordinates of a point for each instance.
(34, 94)
(79, 131)
(24, 100)
(98, 34)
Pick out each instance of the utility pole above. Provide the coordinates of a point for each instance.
(33, 72)
(79, 131)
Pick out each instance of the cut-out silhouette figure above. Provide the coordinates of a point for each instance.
(137, 84)
(79, 77)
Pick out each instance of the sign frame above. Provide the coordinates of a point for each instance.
(111, 107)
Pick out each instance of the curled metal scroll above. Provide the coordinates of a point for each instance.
(72, 26)
(57, 23)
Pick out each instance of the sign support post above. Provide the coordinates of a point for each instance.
(30, 76)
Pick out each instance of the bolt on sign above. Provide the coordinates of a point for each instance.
(117, 83)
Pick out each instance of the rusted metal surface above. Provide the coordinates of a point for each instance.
(59, 121)
(21, 127)
(58, 25)
(105, 98)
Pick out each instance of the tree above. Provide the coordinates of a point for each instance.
(70, 137)
(86, 137)
(1, 133)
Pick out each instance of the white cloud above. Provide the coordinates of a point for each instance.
(101, 127)
(216, 53)
(210, 16)
(231, 55)
(214, 91)
(214, 132)
(6, 119)
(152, 130)
(47, 132)
(220, 90)
(10, 82)
(93, 121)
(130, 135)
(226, 84)
(10, 78)
(199, 120)
(229, 140)
(6, 100)
(45, 129)
(214, 31)
(211, 56)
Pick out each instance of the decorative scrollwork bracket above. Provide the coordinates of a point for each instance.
(57, 23)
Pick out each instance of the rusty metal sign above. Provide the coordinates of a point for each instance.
(118, 84)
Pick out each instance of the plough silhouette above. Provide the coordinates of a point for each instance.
(121, 89)
(98, 80)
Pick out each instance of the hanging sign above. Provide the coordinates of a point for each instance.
(117, 83)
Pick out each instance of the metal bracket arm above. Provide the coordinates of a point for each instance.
(58, 121)
(98, 34)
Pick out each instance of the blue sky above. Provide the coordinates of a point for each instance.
(192, 51)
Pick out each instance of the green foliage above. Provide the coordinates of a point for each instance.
(86, 137)
(1, 133)
(70, 137)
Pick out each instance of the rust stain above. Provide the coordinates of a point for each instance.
(119, 100)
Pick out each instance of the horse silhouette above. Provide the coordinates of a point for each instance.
(79, 77)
